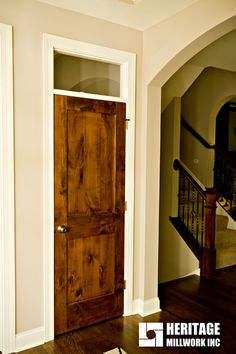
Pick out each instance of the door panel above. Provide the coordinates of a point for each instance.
(91, 163)
(90, 269)
(89, 201)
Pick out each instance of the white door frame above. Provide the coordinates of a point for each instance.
(127, 62)
(7, 218)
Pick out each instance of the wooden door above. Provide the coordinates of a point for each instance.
(89, 211)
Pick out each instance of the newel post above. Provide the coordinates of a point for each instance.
(208, 260)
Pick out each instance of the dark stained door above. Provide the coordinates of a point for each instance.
(89, 211)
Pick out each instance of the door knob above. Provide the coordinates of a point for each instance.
(62, 229)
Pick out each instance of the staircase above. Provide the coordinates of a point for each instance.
(208, 234)
(196, 219)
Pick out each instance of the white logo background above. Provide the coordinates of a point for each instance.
(157, 341)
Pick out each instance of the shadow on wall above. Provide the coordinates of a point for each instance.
(86, 75)
(199, 107)
(99, 85)
(175, 258)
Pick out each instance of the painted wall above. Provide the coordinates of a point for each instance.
(180, 37)
(175, 258)
(166, 47)
(30, 19)
(200, 105)
(179, 83)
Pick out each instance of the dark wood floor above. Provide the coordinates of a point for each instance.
(184, 300)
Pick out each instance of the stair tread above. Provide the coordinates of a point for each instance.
(226, 256)
(225, 238)
(221, 222)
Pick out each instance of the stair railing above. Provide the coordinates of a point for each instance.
(225, 180)
(197, 213)
(224, 172)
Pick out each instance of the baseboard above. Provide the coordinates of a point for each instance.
(29, 339)
(35, 337)
(147, 307)
(195, 272)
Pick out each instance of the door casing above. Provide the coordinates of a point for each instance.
(7, 218)
(127, 62)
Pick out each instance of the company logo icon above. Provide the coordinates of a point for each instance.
(151, 334)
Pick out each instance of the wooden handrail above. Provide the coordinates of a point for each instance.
(195, 134)
(179, 166)
(206, 144)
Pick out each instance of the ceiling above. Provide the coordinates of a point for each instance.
(137, 14)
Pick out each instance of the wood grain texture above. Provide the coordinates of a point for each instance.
(60, 186)
(188, 299)
(91, 267)
(89, 200)
(208, 261)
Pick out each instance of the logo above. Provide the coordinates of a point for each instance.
(151, 334)
(179, 334)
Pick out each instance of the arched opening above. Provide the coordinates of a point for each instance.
(157, 71)
(226, 129)
(169, 267)
(225, 156)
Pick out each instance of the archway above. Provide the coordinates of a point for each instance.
(225, 155)
(149, 225)
(226, 129)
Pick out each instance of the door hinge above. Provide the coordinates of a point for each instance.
(127, 123)
(124, 284)
(126, 206)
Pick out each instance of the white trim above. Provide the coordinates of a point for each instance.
(7, 218)
(194, 272)
(29, 339)
(92, 96)
(148, 307)
(127, 62)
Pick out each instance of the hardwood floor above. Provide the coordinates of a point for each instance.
(184, 300)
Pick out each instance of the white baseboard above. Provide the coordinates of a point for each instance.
(35, 337)
(147, 307)
(195, 272)
(29, 339)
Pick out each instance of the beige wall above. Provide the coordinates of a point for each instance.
(200, 105)
(166, 47)
(179, 83)
(180, 37)
(175, 258)
(30, 20)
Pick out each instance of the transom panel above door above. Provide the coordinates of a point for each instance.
(89, 211)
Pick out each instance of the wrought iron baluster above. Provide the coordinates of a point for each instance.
(202, 222)
(179, 194)
(183, 201)
(188, 204)
(193, 211)
(197, 215)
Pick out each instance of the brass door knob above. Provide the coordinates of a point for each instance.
(62, 229)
